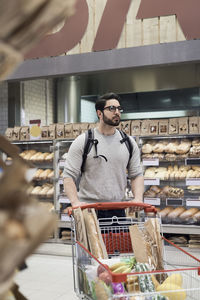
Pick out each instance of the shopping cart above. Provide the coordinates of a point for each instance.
(174, 282)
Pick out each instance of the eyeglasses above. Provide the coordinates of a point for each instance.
(113, 108)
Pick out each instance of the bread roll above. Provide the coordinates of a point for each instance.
(147, 148)
(158, 148)
(155, 189)
(50, 156)
(176, 212)
(171, 147)
(188, 213)
(38, 172)
(36, 190)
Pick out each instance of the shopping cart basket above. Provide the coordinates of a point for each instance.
(174, 282)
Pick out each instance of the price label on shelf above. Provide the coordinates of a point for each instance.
(61, 163)
(152, 181)
(65, 217)
(192, 161)
(63, 199)
(150, 162)
(152, 201)
(60, 181)
(174, 201)
(193, 202)
(192, 181)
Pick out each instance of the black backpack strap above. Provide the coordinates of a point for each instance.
(125, 139)
(89, 141)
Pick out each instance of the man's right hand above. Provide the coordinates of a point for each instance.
(78, 204)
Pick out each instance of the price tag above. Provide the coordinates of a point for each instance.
(61, 163)
(193, 202)
(153, 181)
(152, 201)
(192, 161)
(65, 217)
(150, 162)
(63, 200)
(174, 201)
(60, 181)
(192, 181)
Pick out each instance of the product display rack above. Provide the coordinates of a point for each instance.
(189, 199)
(57, 199)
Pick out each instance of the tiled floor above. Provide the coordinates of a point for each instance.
(47, 277)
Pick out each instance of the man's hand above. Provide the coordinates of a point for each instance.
(78, 204)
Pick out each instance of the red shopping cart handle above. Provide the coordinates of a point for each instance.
(120, 205)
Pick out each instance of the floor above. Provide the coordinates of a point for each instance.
(47, 277)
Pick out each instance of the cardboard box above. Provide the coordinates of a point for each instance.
(153, 127)
(16, 133)
(145, 127)
(25, 133)
(173, 126)
(45, 132)
(68, 131)
(126, 127)
(60, 130)
(183, 127)
(163, 127)
(193, 125)
(9, 134)
(135, 127)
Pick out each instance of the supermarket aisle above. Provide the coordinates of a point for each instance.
(47, 277)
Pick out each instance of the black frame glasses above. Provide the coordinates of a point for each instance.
(113, 108)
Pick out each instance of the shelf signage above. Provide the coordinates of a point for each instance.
(150, 162)
(63, 199)
(151, 181)
(152, 201)
(174, 201)
(61, 163)
(35, 129)
(193, 202)
(192, 181)
(192, 161)
(65, 217)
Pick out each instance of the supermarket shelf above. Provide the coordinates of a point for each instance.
(181, 229)
(64, 224)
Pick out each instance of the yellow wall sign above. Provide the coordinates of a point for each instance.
(35, 129)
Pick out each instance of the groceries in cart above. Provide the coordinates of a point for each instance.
(126, 261)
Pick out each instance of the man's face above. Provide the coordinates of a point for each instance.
(111, 114)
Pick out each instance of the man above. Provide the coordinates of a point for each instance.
(105, 175)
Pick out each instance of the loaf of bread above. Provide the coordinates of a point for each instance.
(164, 212)
(49, 156)
(196, 217)
(188, 213)
(158, 148)
(36, 190)
(176, 212)
(171, 147)
(37, 173)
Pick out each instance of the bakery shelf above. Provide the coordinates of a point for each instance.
(33, 142)
(167, 137)
(180, 229)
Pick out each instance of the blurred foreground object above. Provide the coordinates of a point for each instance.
(24, 222)
(23, 23)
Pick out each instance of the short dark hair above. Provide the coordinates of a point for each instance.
(101, 102)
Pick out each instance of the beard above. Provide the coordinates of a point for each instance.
(112, 122)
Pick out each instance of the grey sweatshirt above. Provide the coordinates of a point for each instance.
(103, 180)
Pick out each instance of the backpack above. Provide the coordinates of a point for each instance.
(90, 141)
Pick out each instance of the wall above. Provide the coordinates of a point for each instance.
(3, 107)
(38, 101)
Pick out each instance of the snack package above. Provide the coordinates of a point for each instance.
(24, 133)
(52, 131)
(60, 130)
(9, 133)
(68, 134)
(126, 127)
(45, 132)
(163, 126)
(145, 127)
(193, 125)
(16, 133)
(183, 125)
(135, 127)
(173, 126)
(76, 129)
(153, 127)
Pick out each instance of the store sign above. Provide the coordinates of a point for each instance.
(151, 181)
(35, 129)
(187, 12)
(150, 162)
(152, 201)
(112, 23)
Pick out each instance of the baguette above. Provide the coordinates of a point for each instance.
(96, 243)
(164, 212)
(176, 212)
(188, 213)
